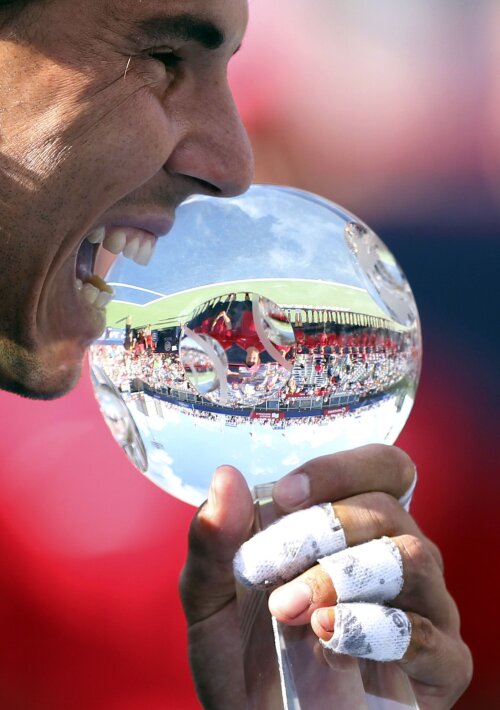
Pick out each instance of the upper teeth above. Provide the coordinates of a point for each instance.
(97, 236)
(134, 244)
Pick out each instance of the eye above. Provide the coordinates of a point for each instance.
(167, 57)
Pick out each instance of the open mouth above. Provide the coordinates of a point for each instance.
(135, 244)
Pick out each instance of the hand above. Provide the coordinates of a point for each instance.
(364, 484)
(208, 592)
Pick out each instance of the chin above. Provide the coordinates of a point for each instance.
(53, 390)
(35, 377)
(47, 386)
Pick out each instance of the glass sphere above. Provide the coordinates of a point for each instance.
(267, 329)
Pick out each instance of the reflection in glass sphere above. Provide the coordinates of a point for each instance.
(234, 351)
(268, 329)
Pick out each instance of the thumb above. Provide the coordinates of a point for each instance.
(218, 529)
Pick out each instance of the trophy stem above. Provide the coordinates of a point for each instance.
(285, 666)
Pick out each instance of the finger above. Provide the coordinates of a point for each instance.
(296, 541)
(295, 602)
(375, 467)
(288, 547)
(371, 515)
(364, 630)
(217, 531)
(400, 570)
(424, 590)
(438, 662)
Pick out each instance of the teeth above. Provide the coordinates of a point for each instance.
(95, 291)
(97, 236)
(134, 244)
(103, 299)
(115, 241)
(90, 293)
(143, 256)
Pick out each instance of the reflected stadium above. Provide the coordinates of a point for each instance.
(319, 352)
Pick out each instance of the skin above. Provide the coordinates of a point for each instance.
(131, 138)
(364, 485)
(252, 357)
(97, 129)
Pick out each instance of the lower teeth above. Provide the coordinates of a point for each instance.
(100, 284)
(95, 291)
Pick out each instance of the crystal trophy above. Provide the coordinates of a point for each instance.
(275, 327)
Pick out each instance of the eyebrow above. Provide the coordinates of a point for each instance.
(181, 27)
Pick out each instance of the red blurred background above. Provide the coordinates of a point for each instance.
(392, 110)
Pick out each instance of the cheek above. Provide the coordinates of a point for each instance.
(122, 150)
(148, 134)
(89, 138)
(119, 119)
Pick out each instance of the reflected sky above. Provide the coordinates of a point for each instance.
(269, 232)
(262, 453)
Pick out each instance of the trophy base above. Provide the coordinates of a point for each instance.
(286, 668)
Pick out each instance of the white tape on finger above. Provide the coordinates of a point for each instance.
(289, 546)
(372, 631)
(372, 572)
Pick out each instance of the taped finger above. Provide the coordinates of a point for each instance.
(289, 546)
(372, 572)
(371, 631)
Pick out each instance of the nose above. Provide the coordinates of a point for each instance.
(214, 149)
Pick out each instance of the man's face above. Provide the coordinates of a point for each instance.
(253, 357)
(112, 113)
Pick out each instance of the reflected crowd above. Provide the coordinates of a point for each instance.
(334, 368)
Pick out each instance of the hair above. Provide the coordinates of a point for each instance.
(10, 10)
(15, 6)
(12, 7)
(13, 3)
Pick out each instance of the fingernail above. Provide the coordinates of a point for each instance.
(325, 617)
(212, 496)
(291, 600)
(292, 490)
